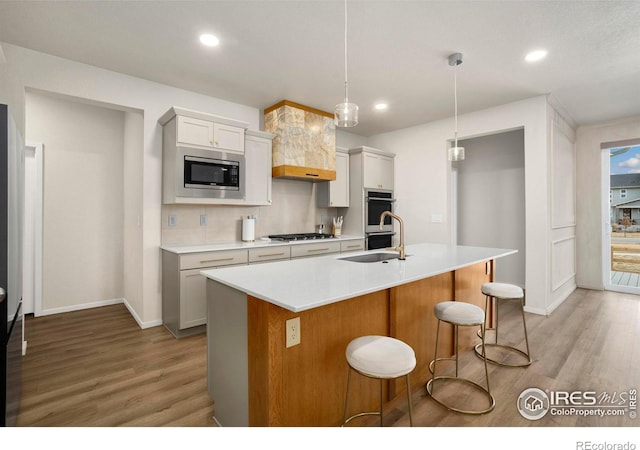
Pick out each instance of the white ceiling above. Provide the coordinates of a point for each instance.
(275, 50)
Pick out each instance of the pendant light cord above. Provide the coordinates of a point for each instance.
(455, 102)
(346, 92)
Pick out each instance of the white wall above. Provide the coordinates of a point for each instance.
(589, 230)
(26, 69)
(424, 188)
(82, 211)
(491, 200)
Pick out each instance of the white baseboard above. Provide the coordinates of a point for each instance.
(141, 324)
(64, 309)
(114, 301)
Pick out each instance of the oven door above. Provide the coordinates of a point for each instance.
(210, 174)
(375, 203)
(375, 241)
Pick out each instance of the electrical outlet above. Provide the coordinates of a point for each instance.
(172, 220)
(203, 219)
(293, 331)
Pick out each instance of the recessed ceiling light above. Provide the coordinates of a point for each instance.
(535, 55)
(209, 40)
(381, 106)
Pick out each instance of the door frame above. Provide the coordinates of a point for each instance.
(34, 275)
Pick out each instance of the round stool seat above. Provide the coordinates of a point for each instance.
(459, 313)
(380, 356)
(502, 290)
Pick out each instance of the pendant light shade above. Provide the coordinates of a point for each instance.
(346, 114)
(455, 153)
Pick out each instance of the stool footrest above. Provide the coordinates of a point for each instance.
(492, 400)
(362, 414)
(433, 361)
(478, 351)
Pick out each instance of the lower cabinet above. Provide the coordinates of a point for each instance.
(184, 296)
(184, 290)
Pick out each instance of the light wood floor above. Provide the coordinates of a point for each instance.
(97, 368)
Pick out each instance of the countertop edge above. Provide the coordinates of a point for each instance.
(213, 275)
(241, 245)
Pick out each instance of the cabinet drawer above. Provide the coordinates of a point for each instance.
(352, 246)
(301, 250)
(213, 259)
(269, 254)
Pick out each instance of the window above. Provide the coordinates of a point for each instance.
(623, 193)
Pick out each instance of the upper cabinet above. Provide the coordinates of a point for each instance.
(372, 168)
(258, 173)
(209, 159)
(335, 194)
(202, 130)
(377, 171)
(305, 142)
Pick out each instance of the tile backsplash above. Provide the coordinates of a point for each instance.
(293, 210)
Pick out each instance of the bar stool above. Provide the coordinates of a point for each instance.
(380, 357)
(459, 314)
(504, 291)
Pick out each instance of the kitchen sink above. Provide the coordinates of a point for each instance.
(371, 257)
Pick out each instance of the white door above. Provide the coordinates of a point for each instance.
(32, 245)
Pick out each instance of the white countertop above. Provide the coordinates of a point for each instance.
(258, 243)
(307, 283)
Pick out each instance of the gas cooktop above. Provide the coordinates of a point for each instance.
(300, 236)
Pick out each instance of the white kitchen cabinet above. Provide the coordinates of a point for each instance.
(262, 254)
(377, 171)
(192, 131)
(352, 246)
(258, 148)
(184, 290)
(316, 249)
(184, 297)
(335, 194)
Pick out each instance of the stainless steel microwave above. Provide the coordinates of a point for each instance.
(210, 174)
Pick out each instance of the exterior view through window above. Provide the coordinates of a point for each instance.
(624, 210)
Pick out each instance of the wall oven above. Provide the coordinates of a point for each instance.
(375, 203)
(376, 241)
(210, 174)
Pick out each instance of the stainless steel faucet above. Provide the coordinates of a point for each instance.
(400, 247)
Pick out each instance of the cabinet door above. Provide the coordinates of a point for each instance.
(352, 246)
(228, 137)
(323, 248)
(386, 172)
(378, 171)
(193, 298)
(193, 131)
(258, 171)
(339, 188)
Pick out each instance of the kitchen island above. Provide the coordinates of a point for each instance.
(256, 380)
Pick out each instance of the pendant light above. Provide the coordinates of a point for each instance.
(455, 153)
(346, 114)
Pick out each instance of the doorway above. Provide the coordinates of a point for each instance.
(489, 194)
(621, 216)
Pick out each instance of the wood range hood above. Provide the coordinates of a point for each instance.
(305, 144)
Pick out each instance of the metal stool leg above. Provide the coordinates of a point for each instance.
(481, 351)
(409, 400)
(431, 382)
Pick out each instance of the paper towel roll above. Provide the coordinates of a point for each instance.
(248, 230)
